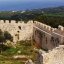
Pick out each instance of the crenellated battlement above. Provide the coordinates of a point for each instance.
(43, 26)
(47, 27)
(17, 29)
(61, 28)
(45, 35)
(48, 37)
(14, 23)
(7, 21)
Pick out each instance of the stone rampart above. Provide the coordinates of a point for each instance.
(47, 37)
(44, 35)
(19, 31)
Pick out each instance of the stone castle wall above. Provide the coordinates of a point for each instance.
(47, 37)
(19, 31)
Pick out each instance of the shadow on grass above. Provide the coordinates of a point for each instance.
(3, 47)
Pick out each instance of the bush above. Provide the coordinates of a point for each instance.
(8, 36)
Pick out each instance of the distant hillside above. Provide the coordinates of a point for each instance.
(54, 10)
(50, 10)
(51, 16)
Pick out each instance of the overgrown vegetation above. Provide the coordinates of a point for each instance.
(3, 37)
(22, 48)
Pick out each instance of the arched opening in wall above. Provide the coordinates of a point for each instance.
(52, 41)
(19, 27)
(18, 34)
(39, 38)
(56, 41)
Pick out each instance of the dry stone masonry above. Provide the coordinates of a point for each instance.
(44, 36)
(54, 56)
(47, 37)
(19, 31)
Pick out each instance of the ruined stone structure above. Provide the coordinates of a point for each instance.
(44, 36)
(19, 31)
(47, 37)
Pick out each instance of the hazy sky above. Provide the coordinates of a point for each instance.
(29, 0)
(28, 4)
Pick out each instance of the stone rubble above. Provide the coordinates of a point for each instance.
(56, 56)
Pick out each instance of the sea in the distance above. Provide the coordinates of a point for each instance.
(6, 6)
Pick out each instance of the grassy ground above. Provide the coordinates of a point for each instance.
(11, 62)
(22, 48)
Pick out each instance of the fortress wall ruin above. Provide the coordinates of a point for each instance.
(44, 35)
(47, 37)
(19, 31)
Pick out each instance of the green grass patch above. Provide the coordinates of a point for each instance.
(11, 62)
(25, 48)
